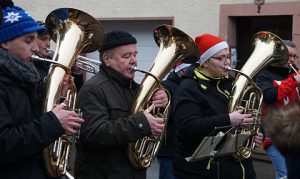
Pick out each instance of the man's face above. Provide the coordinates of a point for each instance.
(43, 42)
(22, 47)
(292, 56)
(122, 59)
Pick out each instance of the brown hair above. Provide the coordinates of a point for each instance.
(283, 127)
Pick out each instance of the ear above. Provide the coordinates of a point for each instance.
(205, 64)
(4, 45)
(106, 59)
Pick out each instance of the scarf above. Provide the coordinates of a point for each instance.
(16, 69)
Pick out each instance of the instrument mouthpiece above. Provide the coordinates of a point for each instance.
(293, 68)
(132, 68)
(228, 68)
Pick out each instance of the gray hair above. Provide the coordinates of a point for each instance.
(109, 52)
(289, 43)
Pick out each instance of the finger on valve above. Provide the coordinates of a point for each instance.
(150, 108)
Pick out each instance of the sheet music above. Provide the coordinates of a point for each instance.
(217, 146)
(206, 148)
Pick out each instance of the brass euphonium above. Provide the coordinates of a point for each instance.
(269, 49)
(74, 31)
(175, 46)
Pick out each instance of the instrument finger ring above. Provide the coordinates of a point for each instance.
(147, 110)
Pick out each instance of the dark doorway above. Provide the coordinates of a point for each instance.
(248, 26)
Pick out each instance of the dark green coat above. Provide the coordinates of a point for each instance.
(105, 101)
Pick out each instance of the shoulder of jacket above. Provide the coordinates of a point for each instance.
(188, 84)
(97, 80)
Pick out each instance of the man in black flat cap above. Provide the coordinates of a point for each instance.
(109, 126)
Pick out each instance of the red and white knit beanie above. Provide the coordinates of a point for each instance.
(209, 45)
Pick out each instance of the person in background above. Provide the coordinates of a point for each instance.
(24, 130)
(202, 107)
(167, 148)
(44, 45)
(43, 42)
(280, 88)
(109, 127)
(283, 126)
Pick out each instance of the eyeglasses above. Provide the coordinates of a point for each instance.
(293, 56)
(222, 58)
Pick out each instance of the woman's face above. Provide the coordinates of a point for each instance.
(216, 66)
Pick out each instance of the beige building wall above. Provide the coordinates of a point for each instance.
(252, 1)
(192, 16)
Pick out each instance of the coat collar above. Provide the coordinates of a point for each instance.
(116, 76)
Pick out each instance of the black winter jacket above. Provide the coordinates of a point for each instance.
(278, 86)
(168, 144)
(24, 131)
(201, 105)
(105, 101)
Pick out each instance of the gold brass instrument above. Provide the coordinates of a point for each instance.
(87, 64)
(269, 49)
(81, 63)
(175, 46)
(74, 31)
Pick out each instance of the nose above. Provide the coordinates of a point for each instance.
(48, 44)
(35, 47)
(227, 61)
(133, 59)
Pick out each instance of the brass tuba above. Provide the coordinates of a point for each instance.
(74, 31)
(269, 49)
(175, 46)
